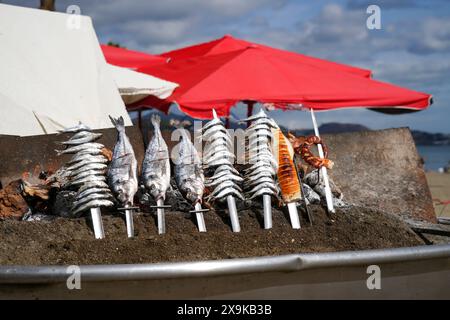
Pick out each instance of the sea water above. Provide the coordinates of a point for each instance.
(435, 157)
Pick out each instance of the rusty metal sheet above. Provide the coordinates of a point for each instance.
(27, 156)
(382, 169)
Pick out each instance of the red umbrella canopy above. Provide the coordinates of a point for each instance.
(222, 80)
(128, 58)
(228, 43)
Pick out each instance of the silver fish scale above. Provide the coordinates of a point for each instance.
(188, 170)
(260, 174)
(225, 180)
(156, 163)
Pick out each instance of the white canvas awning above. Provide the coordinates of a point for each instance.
(134, 86)
(53, 73)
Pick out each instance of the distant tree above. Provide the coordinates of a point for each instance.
(114, 44)
(47, 5)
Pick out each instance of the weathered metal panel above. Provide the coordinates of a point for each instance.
(28, 156)
(416, 272)
(381, 169)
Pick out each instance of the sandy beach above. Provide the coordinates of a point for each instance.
(439, 184)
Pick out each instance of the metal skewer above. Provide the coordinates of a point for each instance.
(293, 215)
(300, 180)
(161, 217)
(200, 219)
(233, 214)
(130, 223)
(267, 202)
(97, 223)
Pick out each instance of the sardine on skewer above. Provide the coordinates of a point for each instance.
(122, 173)
(262, 166)
(85, 138)
(225, 180)
(86, 172)
(79, 127)
(78, 148)
(156, 170)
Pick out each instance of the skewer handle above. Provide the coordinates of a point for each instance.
(233, 214)
(267, 202)
(97, 223)
(161, 217)
(293, 214)
(130, 223)
(200, 219)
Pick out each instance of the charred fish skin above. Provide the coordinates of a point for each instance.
(156, 164)
(122, 173)
(287, 173)
(188, 171)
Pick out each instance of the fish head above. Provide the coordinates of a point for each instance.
(124, 193)
(156, 190)
(194, 191)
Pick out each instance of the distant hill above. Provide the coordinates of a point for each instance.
(430, 139)
(420, 137)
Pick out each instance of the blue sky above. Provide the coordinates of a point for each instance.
(412, 49)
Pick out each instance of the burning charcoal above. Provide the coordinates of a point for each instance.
(311, 180)
(311, 195)
(63, 204)
(39, 217)
(339, 203)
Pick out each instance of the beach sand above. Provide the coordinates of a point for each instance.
(439, 184)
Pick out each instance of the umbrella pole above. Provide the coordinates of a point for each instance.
(328, 195)
(227, 122)
(140, 120)
(250, 105)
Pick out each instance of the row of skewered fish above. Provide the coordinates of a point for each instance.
(270, 171)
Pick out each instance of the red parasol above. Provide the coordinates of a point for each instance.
(256, 74)
(228, 43)
(128, 58)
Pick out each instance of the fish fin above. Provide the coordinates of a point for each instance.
(186, 123)
(119, 123)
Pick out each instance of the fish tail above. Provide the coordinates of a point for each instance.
(156, 120)
(175, 123)
(119, 123)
